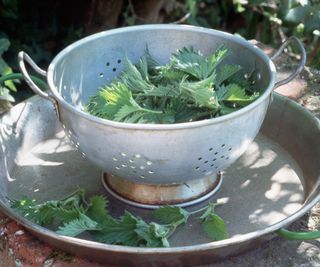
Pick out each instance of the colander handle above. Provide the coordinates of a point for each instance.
(301, 63)
(22, 57)
(290, 235)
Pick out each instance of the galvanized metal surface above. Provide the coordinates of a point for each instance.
(262, 189)
(158, 154)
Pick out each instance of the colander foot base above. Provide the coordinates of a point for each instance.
(152, 196)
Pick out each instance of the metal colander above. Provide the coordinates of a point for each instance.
(151, 153)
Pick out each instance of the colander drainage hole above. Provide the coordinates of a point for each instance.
(108, 64)
(200, 158)
(210, 149)
(101, 75)
(119, 61)
(206, 161)
(197, 168)
(230, 149)
(216, 153)
(223, 145)
(114, 69)
(222, 156)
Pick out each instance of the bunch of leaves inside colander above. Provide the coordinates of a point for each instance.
(190, 87)
(76, 214)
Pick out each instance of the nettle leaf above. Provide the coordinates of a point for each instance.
(190, 61)
(77, 226)
(237, 95)
(110, 100)
(168, 90)
(225, 72)
(154, 235)
(167, 74)
(202, 92)
(215, 227)
(171, 214)
(45, 213)
(97, 209)
(133, 79)
(121, 231)
(151, 61)
(194, 63)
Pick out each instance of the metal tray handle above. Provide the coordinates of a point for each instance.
(290, 235)
(301, 63)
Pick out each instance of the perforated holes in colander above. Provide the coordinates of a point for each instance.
(137, 165)
(207, 163)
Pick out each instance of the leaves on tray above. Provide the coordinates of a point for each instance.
(75, 215)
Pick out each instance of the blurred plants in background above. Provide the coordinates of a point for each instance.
(270, 22)
(43, 28)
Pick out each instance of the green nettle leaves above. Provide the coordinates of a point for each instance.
(198, 86)
(75, 215)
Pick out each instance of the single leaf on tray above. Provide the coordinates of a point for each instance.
(97, 209)
(171, 214)
(215, 227)
(77, 226)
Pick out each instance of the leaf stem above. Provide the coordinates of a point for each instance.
(205, 207)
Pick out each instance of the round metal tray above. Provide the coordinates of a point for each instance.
(275, 182)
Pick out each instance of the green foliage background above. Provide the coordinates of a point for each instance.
(43, 28)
